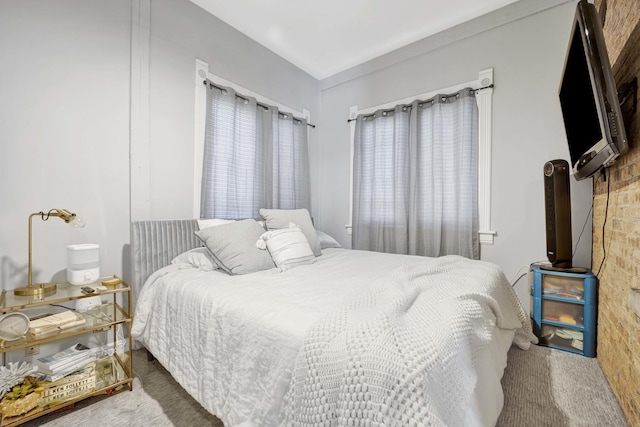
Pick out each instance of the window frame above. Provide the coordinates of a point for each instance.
(484, 99)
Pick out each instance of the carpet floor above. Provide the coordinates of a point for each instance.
(543, 387)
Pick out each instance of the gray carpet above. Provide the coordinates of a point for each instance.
(543, 387)
(546, 387)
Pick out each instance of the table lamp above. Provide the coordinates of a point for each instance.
(43, 289)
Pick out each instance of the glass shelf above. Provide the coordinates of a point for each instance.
(108, 381)
(65, 292)
(100, 317)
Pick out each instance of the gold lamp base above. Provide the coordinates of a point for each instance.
(40, 289)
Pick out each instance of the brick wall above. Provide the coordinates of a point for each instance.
(619, 327)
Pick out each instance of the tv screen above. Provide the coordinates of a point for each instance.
(579, 102)
(588, 98)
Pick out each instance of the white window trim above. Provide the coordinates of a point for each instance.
(202, 73)
(484, 99)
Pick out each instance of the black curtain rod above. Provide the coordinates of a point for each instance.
(475, 90)
(266, 107)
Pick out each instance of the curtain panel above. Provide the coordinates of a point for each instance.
(254, 157)
(416, 178)
(381, 181)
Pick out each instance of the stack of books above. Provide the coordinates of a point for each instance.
(54, 323)
(65, 362)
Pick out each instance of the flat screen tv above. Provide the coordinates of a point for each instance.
(589, 98)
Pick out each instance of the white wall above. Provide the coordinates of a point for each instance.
(64, 117)
(180, 33)
(527, 57)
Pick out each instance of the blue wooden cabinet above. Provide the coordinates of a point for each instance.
(564, 310)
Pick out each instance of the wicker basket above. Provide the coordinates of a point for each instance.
(69, 387)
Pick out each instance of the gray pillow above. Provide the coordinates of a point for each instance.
(327, 241)
(277, 219)
(233, 246)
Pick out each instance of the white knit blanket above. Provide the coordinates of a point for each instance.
(407, 352)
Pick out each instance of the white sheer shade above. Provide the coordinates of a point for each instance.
(381, 182)
(254, 157)
(416, 178)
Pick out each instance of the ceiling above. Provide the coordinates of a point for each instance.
(329, 36)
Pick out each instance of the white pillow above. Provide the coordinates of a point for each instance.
(204, 223)
(277, 219)
(198, 257)
(288, 247)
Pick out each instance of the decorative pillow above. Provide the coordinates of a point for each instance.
(327, 241)
(277, 219)
(200, 258)
(204, 223)
(233, 246)
(288, 247)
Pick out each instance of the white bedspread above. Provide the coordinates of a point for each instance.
(232, 341)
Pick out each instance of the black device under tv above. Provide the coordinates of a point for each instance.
(589, 98)
(557, 204)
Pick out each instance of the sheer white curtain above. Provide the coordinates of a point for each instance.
(254, 157)
(290, 164)
(381, 181)
(416, 178)
(443, 206)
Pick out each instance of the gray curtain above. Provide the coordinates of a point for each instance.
(381, 181)
(254, 157)
(290, 164)
(416, 178)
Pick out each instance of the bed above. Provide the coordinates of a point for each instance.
(355, 338)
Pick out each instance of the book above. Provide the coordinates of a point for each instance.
(70, 369)
(70, 365)
(54, 330)
(49, 325)
(62, 359)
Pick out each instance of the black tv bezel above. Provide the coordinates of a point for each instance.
(614, 139)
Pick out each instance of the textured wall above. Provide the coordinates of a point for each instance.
(618, 326)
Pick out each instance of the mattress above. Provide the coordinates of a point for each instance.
(233, 342)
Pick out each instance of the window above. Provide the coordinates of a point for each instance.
(253, 154)
(394, 198)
